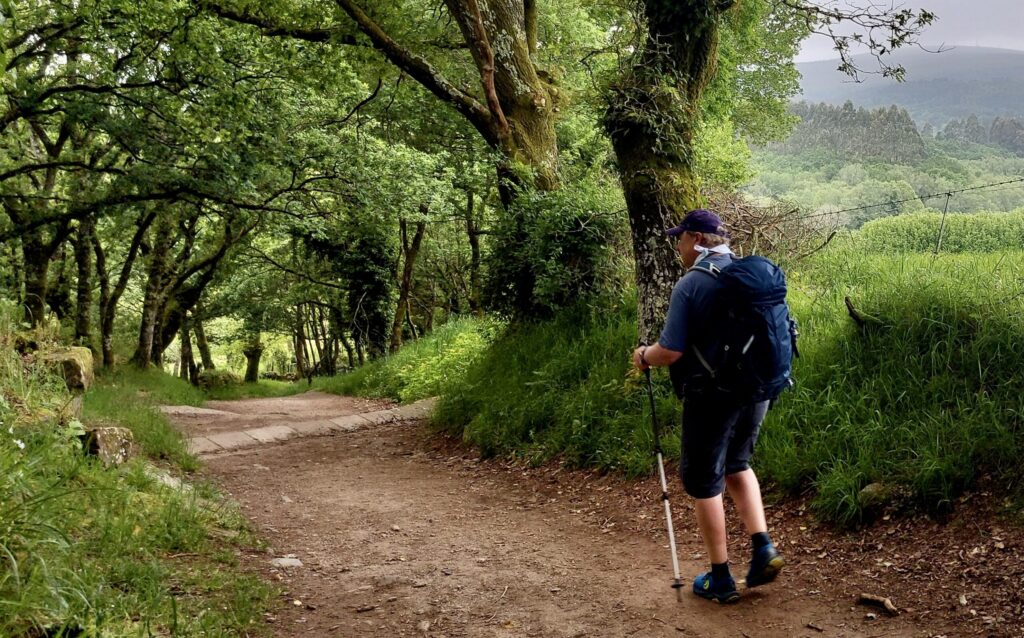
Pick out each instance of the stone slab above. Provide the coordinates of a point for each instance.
(232, 440)
(192, 411)
(380, 416)
(314, 428)
(271, 433)
(202, 445)
(350, 423)
(418, 410)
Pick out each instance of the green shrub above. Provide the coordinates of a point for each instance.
(218, 379)
(963, 232)
(421, 368)
(554, 248)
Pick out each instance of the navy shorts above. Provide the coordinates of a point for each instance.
(718, 439)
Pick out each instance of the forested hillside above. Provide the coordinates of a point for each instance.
(879, 162)
(942, 83)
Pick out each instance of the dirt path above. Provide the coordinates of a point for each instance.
(401, 535)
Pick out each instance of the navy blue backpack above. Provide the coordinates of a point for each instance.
(748, 341)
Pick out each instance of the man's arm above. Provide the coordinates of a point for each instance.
(654, 356)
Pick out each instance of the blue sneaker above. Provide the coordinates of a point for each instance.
(765, 565)
(719, 591)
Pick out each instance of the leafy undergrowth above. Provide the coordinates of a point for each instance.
(91, 551)
(423, 368)
(562, 388)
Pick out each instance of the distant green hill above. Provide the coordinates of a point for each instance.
(939, 86)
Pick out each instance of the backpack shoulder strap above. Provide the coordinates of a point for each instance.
(706, 266)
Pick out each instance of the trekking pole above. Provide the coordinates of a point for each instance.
(677, 584)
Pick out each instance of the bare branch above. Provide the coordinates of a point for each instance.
(879, 29)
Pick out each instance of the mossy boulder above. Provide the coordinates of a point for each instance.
(75, 364)
(214, 379)
(112, 445)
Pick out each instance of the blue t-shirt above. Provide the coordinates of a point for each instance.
(691, 296)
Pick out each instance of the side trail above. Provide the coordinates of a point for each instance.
(376, 527)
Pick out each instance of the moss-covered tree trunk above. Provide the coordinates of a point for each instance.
(83, 296)
(652, 120)
(205, 357)
(253, 352)
(154, 297)
(36, 256)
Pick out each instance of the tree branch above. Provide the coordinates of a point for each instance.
(32, 168)
(423, 72)
(483, 54)
(530, 15)
(882, 29)
(273, 29)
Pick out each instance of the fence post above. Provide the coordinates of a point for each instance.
(942, 224)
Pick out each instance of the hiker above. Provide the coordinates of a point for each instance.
(719, 429)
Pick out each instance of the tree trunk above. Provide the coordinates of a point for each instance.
(58, 292)
(410, 252)
(475, 294)
(83, 303)
(109, 297)
(299, 343)
(153, 301)
(188, 364)
(652, 119)
(521, 103)
(345, 343)
(204, 346)
(36, 260)
(252, 348)
(253, 351)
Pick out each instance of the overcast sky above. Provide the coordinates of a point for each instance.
(983, 23)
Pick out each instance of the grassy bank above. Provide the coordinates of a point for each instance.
(927, 396)
(87, 550)
(423, 368)
(925, 399)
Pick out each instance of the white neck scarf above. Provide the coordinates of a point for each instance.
(721, 249)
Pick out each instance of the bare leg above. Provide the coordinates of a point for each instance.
(711, 521)
(746, 493)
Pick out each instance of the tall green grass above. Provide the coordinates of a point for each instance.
(92, 551)
(928, 396)
(562, 388)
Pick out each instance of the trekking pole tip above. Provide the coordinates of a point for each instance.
(678, 586)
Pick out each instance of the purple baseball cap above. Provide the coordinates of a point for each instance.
(699, 221)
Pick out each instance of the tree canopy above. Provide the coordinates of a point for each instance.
(346, 175)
